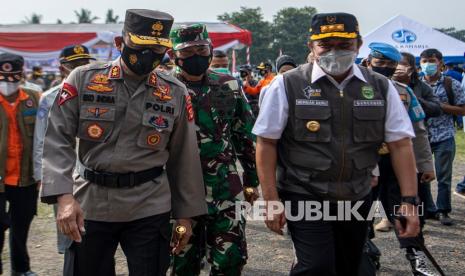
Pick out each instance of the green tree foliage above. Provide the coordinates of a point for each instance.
(291, 32)
(33, 19)
(110, 17)
(252, 19)
(85, 16)
(458, 34)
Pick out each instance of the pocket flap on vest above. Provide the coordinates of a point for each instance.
(310, 161)
(369, 113)
(316, 113)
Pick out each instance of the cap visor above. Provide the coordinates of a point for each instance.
(184, 45)
(149, 40)
(77, 57)
(335, 34)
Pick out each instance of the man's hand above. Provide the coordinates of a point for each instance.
(277, 222)
(70, 218)
(427, 177)
(251, 194)
(181, 238)
(411, 228)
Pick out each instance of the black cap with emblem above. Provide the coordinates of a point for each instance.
(74, 52)
(11, 67)
(148, 27)
(339, 25)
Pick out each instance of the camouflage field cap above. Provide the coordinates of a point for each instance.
(189, 35)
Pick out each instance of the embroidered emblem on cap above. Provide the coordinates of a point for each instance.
(78, 49)
(159, 122)
(7, 67)
(331, 19)
(313, 126)
(157, 28)
(153, 139)
(367, 92)
(95, 131)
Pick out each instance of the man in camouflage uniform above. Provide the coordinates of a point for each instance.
(224, 122)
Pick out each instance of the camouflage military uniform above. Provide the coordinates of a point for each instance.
(224, 123)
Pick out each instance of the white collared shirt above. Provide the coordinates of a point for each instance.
(274, 109)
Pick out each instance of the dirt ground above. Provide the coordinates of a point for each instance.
(272, 255)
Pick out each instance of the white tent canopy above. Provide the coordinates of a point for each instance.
(410, 36)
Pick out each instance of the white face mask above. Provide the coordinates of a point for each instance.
(8, 88)
(336, 62)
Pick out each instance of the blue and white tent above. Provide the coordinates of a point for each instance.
(410, 36)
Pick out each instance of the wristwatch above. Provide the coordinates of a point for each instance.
(414, 200)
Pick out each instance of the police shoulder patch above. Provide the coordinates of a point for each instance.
(67, 93)
(189, 108)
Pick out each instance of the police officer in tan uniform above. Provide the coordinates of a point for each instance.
(137, 159)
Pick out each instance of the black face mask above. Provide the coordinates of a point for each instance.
(141, 62)
(262, 73)
(385, 71)
(195, 65)
(244, 74)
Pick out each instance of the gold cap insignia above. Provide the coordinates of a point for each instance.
(331, 19)
(157, 28)
(313, 126)
(7, 67)
(78, 49)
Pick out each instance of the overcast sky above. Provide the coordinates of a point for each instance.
(370, 13)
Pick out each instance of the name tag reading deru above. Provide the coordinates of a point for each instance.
(311, 102)
(369, 103)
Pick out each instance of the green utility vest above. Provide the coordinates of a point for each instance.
(330, 144)
(26, 117)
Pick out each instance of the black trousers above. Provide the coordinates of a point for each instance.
(145, 242)
(389, 195)
(22, 206)
(327, 247)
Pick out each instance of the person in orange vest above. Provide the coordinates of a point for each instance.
(18, 108)
(266, 71)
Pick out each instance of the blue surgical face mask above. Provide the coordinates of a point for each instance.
(430, 69)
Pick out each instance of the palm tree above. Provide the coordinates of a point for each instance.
(111, 18)
(33, 19)
(85, 16)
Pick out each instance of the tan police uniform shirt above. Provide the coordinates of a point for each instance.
(122, 131)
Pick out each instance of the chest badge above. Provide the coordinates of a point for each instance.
(100, 83)
(367, 92)
(97, 112)
(310, 92)
(313, 126)
(159, 122)
(163, 93)
(95, 131)
(153, 139)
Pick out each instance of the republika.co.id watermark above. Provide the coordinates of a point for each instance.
(317, 210)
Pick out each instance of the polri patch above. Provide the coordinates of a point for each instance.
(159, 122)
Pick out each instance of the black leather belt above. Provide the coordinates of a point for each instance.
(122, 180)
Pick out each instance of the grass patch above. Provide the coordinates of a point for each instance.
(460, 145)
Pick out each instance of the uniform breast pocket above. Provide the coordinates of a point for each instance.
(156, 130)
(29, 123)
(224, 103)
(96, 123)
(368, 124)
(313, 124)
